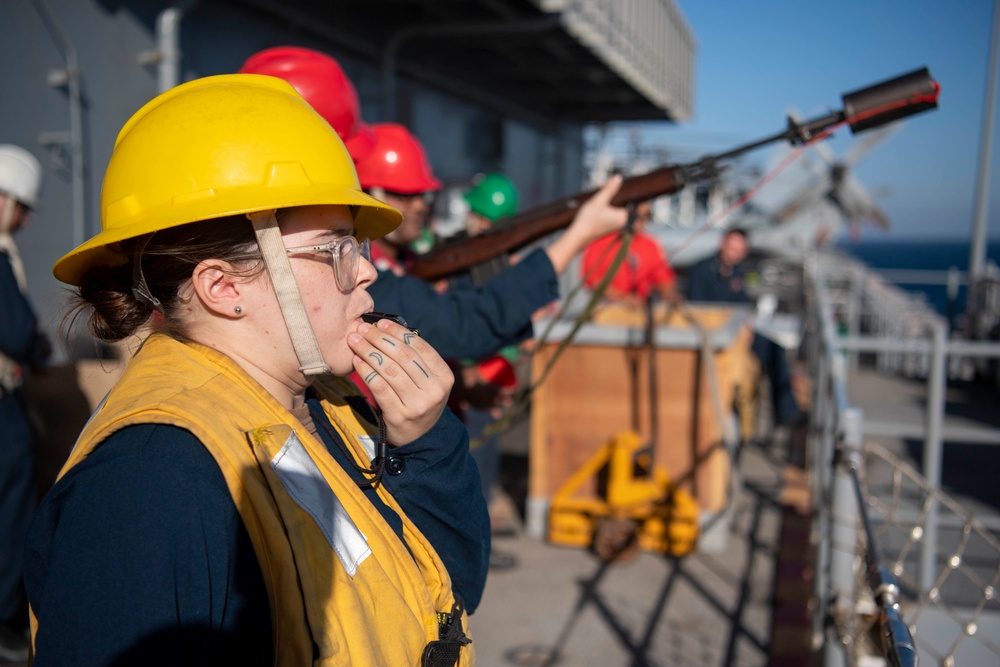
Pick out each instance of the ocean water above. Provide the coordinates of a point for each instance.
(932, 255)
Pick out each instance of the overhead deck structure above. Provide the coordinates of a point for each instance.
(541, 61)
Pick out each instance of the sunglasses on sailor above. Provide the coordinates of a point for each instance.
(427, 197)
(345, 253)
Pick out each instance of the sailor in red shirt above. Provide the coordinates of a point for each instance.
(643, 270)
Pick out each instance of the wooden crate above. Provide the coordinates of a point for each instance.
(600, 386)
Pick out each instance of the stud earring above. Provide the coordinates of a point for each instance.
(238, 310)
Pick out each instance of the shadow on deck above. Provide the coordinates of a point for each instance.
(565, 606)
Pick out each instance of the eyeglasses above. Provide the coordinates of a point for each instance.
(344, 254)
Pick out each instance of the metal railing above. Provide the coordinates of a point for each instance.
(837, 436)
(854, 513)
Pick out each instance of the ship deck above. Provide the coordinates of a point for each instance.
(742, 604)
(563, 605)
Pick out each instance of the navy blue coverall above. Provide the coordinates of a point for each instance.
(472, 323)
(709, 281)
(21, 342)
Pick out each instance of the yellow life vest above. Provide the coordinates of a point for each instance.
(343, 588)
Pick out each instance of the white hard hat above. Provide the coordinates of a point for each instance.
(20, 175)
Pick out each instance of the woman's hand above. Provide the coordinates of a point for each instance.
(596, 218)
(407, 377)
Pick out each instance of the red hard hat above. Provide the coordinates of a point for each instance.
(361, 142)
(318, 78)
(498, 371)
(397, 162)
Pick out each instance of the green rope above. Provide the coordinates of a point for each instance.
(521, 400)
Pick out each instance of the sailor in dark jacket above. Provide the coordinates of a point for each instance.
(721, 279)
(21, 346)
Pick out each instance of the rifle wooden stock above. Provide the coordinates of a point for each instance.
(516, 231)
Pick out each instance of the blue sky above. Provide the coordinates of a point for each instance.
(758, 60)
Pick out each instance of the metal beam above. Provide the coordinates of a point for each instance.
(466, 30)
(312, 24)
(971, 435)
(977, 252)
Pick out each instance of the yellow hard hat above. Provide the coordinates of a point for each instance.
(220, 146)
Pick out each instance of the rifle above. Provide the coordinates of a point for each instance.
(862, 110)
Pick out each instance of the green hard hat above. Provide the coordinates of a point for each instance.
(493, 196)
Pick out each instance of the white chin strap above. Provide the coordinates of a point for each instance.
(265, 226)
(7, 214)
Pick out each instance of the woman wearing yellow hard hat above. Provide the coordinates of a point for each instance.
(233, 500)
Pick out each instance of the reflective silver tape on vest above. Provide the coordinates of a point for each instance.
(304, 482)
(368, 442)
